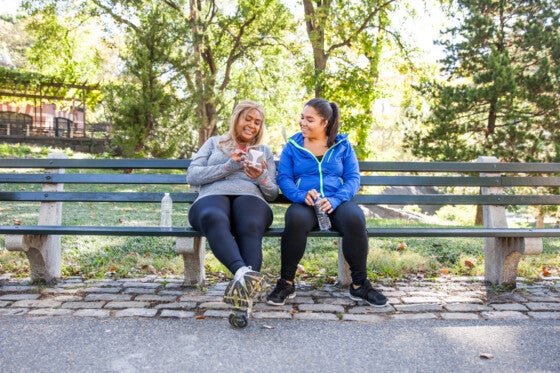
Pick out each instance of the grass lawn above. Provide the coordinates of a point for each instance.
(103, 256)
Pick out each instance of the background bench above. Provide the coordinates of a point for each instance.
(487, 183)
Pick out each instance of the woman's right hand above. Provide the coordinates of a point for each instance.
(237, 155)
(311, 196)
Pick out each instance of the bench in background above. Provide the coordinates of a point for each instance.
(487, 183)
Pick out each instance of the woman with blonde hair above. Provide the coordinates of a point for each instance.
(231, 209)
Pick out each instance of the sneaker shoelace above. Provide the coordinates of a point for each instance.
(366, 288)
(240, 274)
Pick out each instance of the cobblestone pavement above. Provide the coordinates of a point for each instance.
(446, 298)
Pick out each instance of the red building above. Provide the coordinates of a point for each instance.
(44, 120)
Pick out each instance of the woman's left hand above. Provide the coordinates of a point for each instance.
(252, 171)
(325, 205)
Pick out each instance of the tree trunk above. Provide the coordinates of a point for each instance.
(539, 221)
(316, 33)
(479, 220)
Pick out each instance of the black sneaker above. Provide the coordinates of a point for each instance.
(281, 292)
(368, 294)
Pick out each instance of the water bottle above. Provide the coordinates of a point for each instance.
(322, 217)
(166, 209)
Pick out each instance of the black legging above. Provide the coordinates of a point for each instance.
(348, 219)
(234, 227)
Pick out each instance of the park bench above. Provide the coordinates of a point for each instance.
(485, 182)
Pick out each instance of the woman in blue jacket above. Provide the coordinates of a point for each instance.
(318, 166)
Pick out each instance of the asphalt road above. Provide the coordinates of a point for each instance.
(79, 344)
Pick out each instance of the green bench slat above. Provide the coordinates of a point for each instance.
(380, 199)
(365, 166)
(94, 197)
(474, 181)
(94, 178)
(277, 232)
(499, 167)
(79, 230)
(177, 164)
(456, 199)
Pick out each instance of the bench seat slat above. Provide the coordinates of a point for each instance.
(277, 232)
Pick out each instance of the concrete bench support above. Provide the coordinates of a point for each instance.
(43, 251)
(502, 255)
(344, 278)
(193, 250)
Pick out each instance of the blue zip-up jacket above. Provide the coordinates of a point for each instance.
(336, 177)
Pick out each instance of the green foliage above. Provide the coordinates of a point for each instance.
(14, 40)
(141, 109)
(504, 68)
(66, 45)
(347, 39)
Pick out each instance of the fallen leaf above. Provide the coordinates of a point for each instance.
(200, 317)
(17, 222)
(486, 355)
(545, 271)
(401, 246)
(300, 269)
(469, 264)
(152, 269)
(444, 271)
(112, 269)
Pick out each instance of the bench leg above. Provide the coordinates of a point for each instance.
(502, 255)
(43, 253)
(344, 278)
(193, 250)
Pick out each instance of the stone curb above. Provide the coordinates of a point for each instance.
(445, 298)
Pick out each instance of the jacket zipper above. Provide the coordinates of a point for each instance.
(319, 164)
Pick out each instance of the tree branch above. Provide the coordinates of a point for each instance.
(360, 29)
